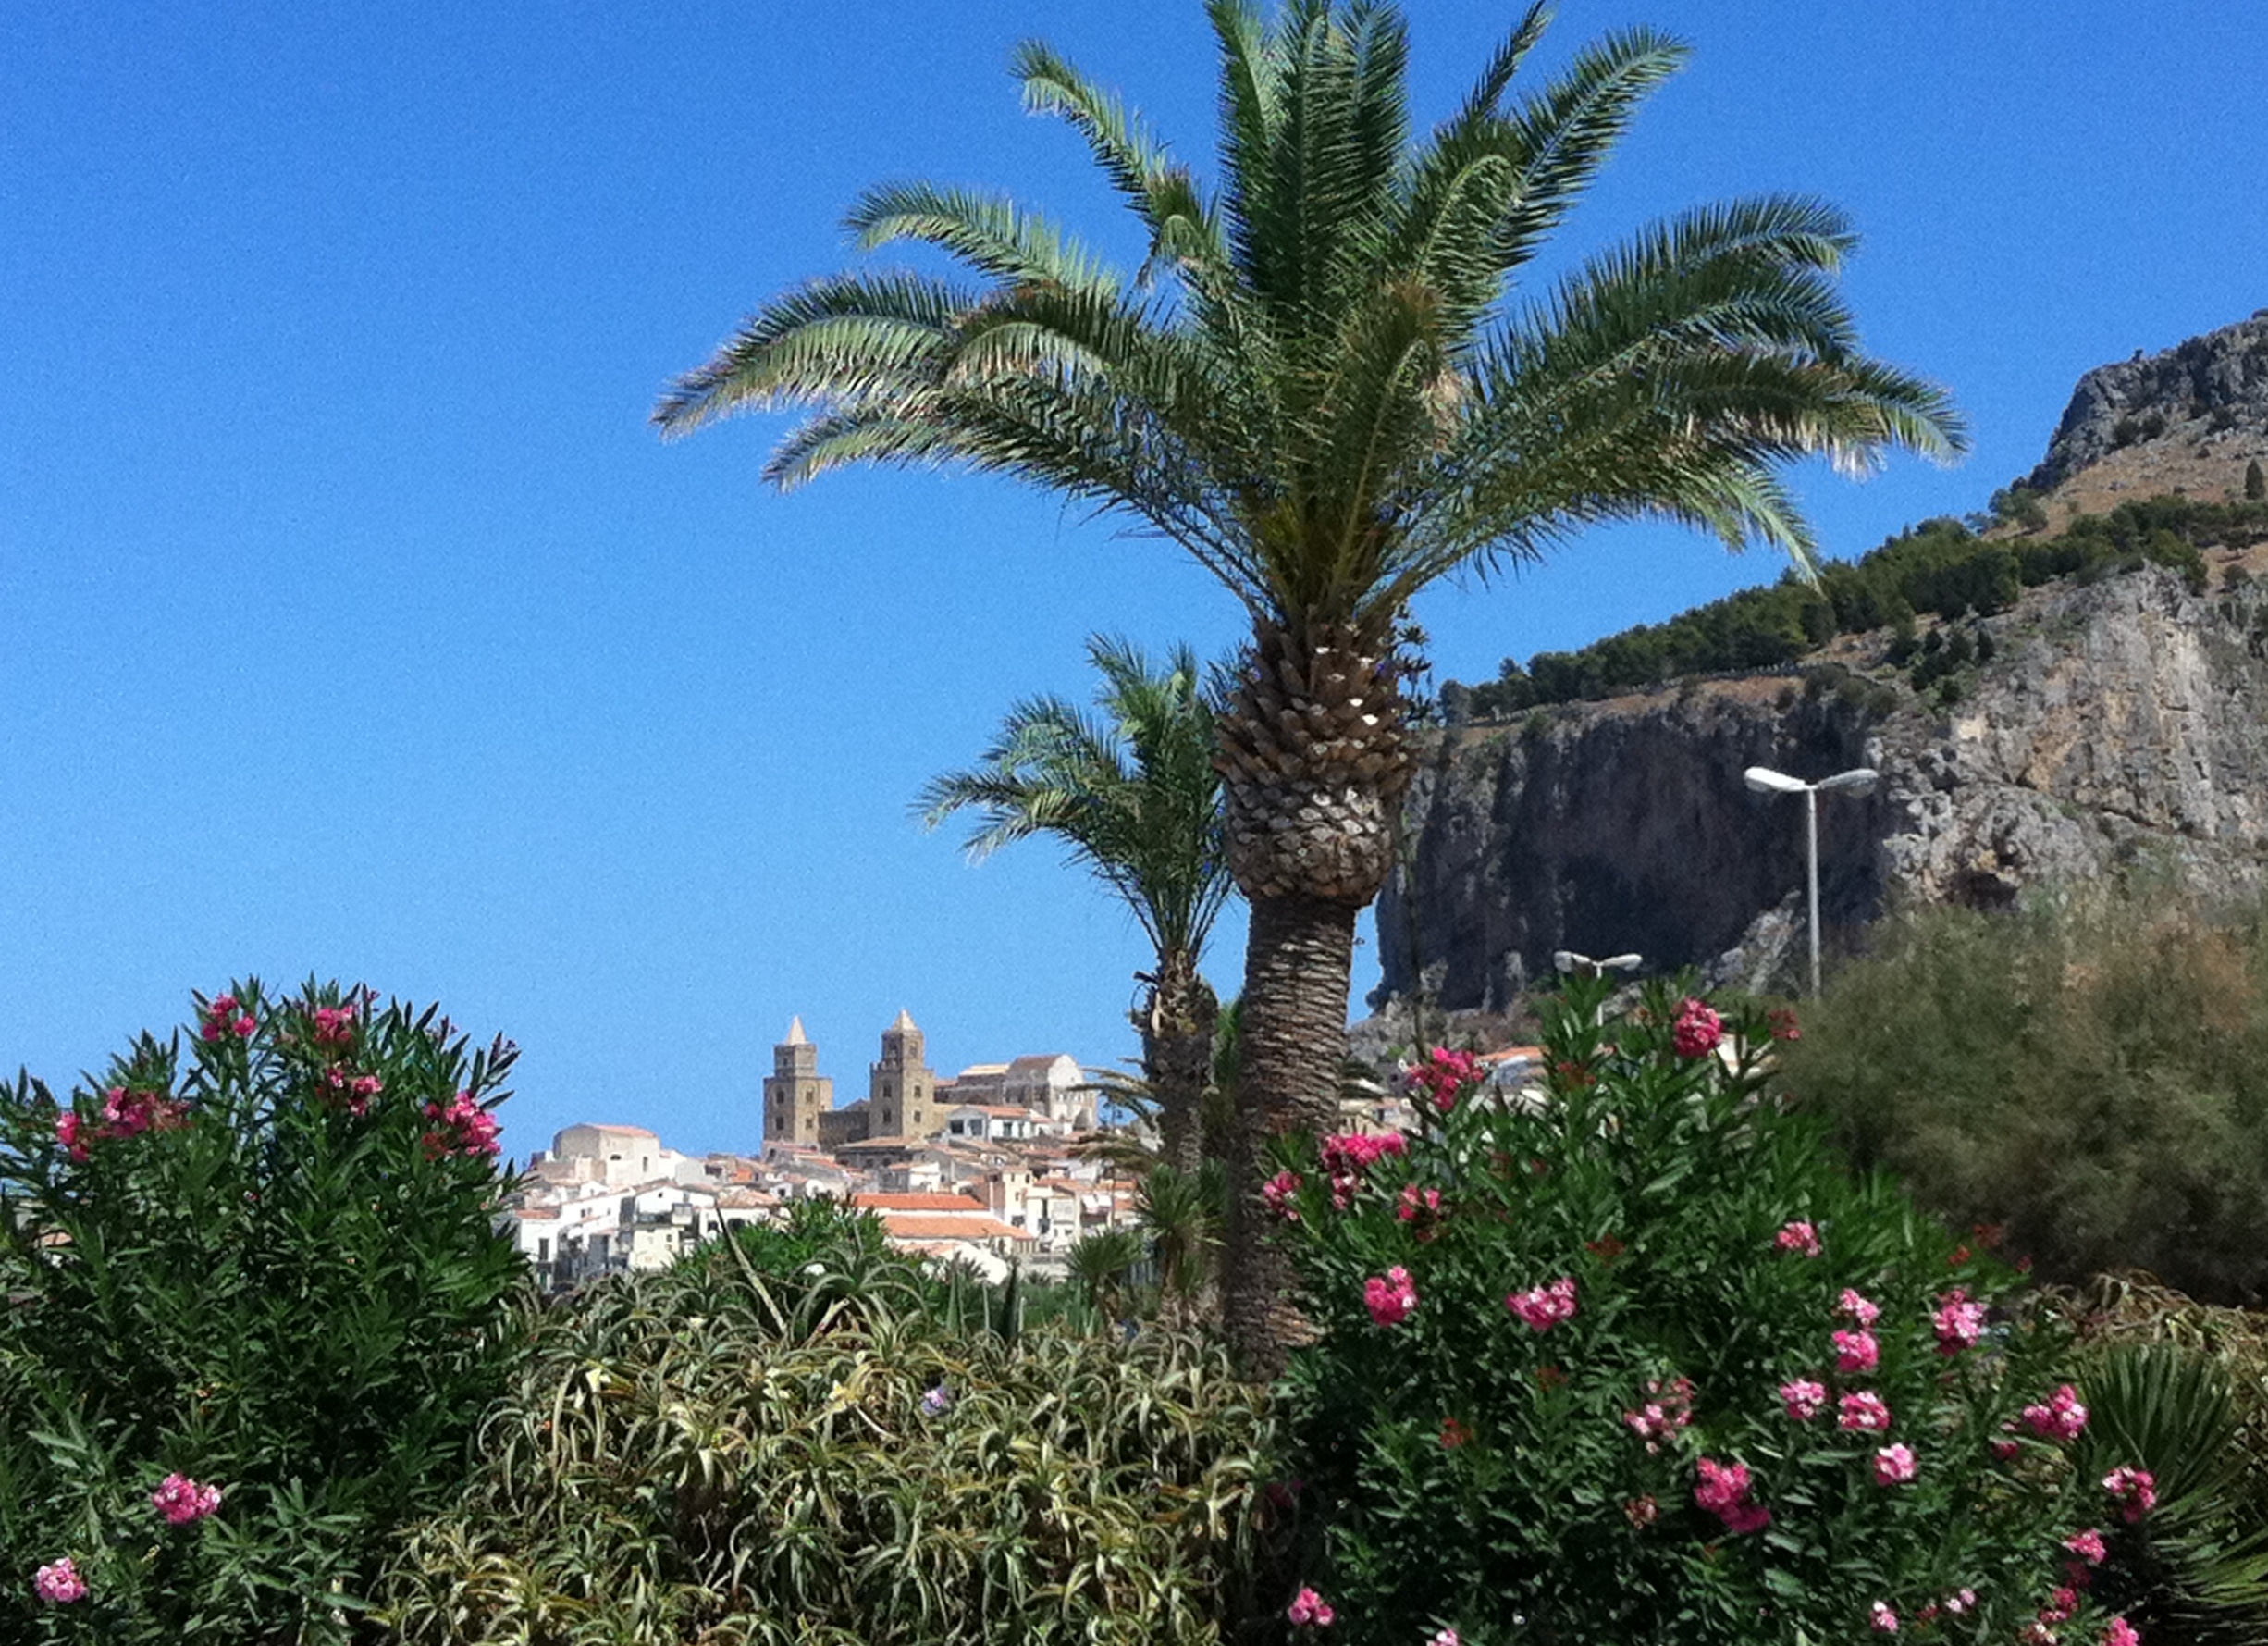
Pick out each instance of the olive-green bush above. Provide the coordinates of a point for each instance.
(2087, 1076)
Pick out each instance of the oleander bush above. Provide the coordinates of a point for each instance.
(257, 1304)
(2090, 1073)
(832, 1447)
(1638, 1362)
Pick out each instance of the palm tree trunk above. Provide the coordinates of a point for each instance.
(1177, 1031)
(1298, 966)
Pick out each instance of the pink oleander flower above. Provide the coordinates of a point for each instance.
(70, 1131)
(1280, 1194)
(1444, 1636)
(1781, 1023)
(1859, 1308)
(1724, 1492)
(1347, 1156)
(2060, 1418)
(2087, 1545)
(1391, 1297)
(1962, 1602)
(1441, 1077)
(180, 1500)
(130, 1113)
(58, 1582)
(1857, 1351)
(1641, 1512)
(335, 1024)
(1893, 1465)
(1542, 1307)
(1420, 1207)
(1885, 1621)
(225, 1017)
(1959, 1321)
(1308, 1607)
(1864, 1409)
(1668, 1408)
(2061, 1605)
(2119, 1632)
(2036, 1633)
(1696, 1031)
(2135, 1489)
(1803, 1399)
(463, 1128)
(2004, 1450)
(1799, 1237)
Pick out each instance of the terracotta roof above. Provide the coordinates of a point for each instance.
(537, 1211)
(918, 1202)
(913, 1226)
(1511, 1054)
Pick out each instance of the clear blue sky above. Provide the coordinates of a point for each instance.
(352, 620)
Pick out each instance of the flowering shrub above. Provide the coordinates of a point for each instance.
(258, 1299)
(1654, 1369)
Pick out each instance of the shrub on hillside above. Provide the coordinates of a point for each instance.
(728, 1453)
(257, 1304)
(2090, 1073)
(1638, 1363)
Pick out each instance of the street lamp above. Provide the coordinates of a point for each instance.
(1567, 960)
(1766, 781)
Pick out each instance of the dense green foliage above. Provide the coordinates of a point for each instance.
(2090, 1072)
(1941, 567)
(1619, 1291)
(269, 1265)
(808, 1438)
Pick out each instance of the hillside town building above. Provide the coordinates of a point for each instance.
(978, 1170)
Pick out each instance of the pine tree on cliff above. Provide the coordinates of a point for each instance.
(1323, 386)
(2255, 483)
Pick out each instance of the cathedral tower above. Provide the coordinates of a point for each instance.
(796, 1094)
(902, 1088)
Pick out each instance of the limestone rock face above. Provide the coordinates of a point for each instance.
(2210, 392)
(2119, 725)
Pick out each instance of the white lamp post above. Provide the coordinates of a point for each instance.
(1569, 961)
(1766, 781)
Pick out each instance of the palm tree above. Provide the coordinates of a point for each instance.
(1323, 386)
(1133, 794)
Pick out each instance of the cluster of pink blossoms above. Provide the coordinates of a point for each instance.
(1444, 1636)
(1391, 1297)
(180, 1500)
(2060, 1418)
(1542, 1307)
(1865, 1410)
(125, 1113)
(1308, 1607)
(335, 1024)
(1894, 1466)
(1698, 1029)
(1420, 1207)
(1799, 1237)
(1724, 1492)
(1348, 1154)
(59, 1583)
(354, 1092)
(1803, 1398)
(1857, 1351)
(226, 1018)
(1280, 1194)
(1883, 1621)
(1441, 1077)
(463, 1128)
(1667, 1408)
(2135, 1490)
(1959, 1321)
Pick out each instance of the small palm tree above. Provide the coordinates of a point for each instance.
(1133, 794)
(1100, 1262)
(1321, 386)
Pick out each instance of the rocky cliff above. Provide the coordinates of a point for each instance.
(2187, 420)
(2117, 724)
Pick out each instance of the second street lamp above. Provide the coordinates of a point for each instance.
(1766, 781)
